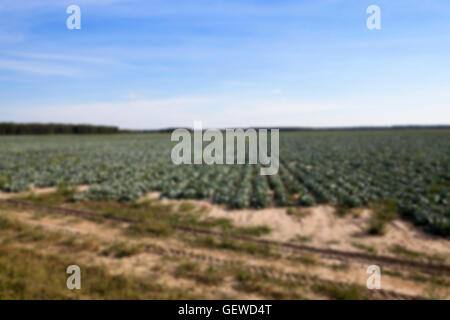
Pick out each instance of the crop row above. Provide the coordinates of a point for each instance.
(348, 169)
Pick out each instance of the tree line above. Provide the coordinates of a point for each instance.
(9, 128)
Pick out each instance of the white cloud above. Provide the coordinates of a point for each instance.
(227, 111)
(39, 68)
(58, 64)
(21, 5)
(138, 114)
(64, 57)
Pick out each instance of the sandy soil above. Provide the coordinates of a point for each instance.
(318, 226)
(321, 227)
(37, 191)
(141, 265)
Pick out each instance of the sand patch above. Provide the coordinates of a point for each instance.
(150, 196)
(37, 192)
(142, 264)
(321, 227)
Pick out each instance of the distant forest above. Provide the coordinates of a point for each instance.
(295, 129)
(54, 128)
(10, 128)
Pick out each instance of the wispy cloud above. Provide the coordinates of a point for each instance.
(38, 68)
(22, 5)
(57, 64)
(66, 57)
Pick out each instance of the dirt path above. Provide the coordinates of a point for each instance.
(37, 191)
(143, 262)
(321, 227)
(317, 227)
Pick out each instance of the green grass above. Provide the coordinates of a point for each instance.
(256, 231)
(15, 231)
(363, 247)
(186, 206)
(383, 213)
(266, 286)
(80, 243)
(411, 254)
(28, 274)
(63, 193)
(341, 210)
(297, 212)
(234, 245)
(342, 266)
(148, 227)
(122, 250)
(154, 218)
(209, 275)
(10, 224)
(301, 239)
(25, 274)
(308, 259)
(341, 292)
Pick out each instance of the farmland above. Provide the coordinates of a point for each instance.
(408, 169)
(140, 227)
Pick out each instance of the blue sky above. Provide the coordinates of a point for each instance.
(152, 64)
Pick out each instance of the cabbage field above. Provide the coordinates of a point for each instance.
(347, 169)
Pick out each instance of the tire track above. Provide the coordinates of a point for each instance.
(289, 277)
(425, 266)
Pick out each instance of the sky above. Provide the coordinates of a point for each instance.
(146, 64)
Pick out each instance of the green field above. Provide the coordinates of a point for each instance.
(408, 169)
